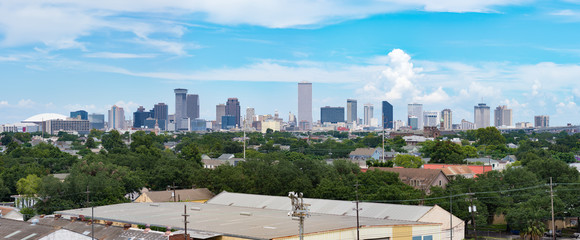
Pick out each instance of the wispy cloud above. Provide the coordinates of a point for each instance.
(117, 55)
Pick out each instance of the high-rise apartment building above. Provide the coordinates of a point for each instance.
(161, 115)
(97, 121)
(431, 119)
(481, 115)
(413, 122)
(192, 101)
(447, 119)
(387, 117)
(541, 121)
(80, 114)
(180, 109)
(305, 105)
(369, 111)
(250, 113)
(502, 116)
(415, 110)
(331, 114)
(233, 109)
(116, 118)
(351, 110)
(220, 111)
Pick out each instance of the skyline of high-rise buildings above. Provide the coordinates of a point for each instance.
(368, 113)
(116, 117)
(502, 116)
(180, 108)
(233, 109)
(447, 119)
(351, 111)
(415, 110)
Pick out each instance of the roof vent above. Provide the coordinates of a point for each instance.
(246, 213)
(154, 204)
(196, 208)
(34, 221)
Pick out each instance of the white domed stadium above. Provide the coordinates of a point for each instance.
(44, 117)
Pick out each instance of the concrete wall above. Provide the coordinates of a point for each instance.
(401, 232)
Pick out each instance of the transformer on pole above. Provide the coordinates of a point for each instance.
(299, 211)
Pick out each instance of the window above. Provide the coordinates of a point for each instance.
(417, 238)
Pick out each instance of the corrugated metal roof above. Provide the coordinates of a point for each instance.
(323, 206)
(228, 220)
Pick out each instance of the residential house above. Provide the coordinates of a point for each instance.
(477, 169)
(178, 195)
(452, 172)
(365, 154)
(483, 161)
(419, 178)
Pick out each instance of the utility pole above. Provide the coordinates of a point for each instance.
(383, 138)
(357, 216)
(92, 214)
(450, 215)
(552, 203)
(299, 210)
(472, 210)
(244, 139)
(185, 215)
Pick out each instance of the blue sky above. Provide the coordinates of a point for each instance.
(64, 55)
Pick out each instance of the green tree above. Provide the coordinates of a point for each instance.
(90, 143)
(113, 142)
(408, 161)
(28, 186)
(489, 136)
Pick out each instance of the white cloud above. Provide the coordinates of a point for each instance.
(117, 55)
(36, 21)
(8, 59)
(438, 96)
(567, 108)
(26, 103)
(4, 104)
(536, 87)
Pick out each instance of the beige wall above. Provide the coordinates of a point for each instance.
(440, 215)
(402, 232)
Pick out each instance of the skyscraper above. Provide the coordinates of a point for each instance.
(97, 121)
(250, 112)
(180, 108)
(387, 115)
(481, 115)
(415, 110)
(305, 105)
(502, 116)
(541, 121)
(331, 114)
(161, 114)
(431, 119)
(139, 117)
(116, 118)
(447, 116)
(233, 109)
(220, 111)
(351, 110)
(192, 106)
(369, 111)
(82, 114)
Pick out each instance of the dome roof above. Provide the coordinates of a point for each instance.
(44, 117)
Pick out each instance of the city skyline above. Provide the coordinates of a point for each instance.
(445, 56)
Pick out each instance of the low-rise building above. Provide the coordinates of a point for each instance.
(419, 178)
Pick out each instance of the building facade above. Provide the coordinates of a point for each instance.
(305, 105)
(116, 118)
(502, 116)
(80, 114)
(368, 111)
(220, 111)
(97, 121)
(233, 109)
(415, 110)
(541, 121)
(180, 108)
(387, 118)
(161, 115)
(351, 110)
(447, 119)
(431, 119)
(331, 114)
(192, 107)
(69, 125)
(481, 115)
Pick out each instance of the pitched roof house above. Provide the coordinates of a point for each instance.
(419, 178)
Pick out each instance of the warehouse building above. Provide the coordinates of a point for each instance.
(222, 222)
